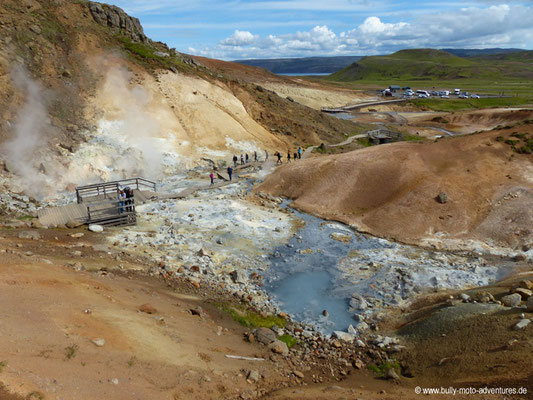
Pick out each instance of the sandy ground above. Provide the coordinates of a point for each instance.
(390, 190)
(317, 97)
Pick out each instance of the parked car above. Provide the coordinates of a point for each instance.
(457, 91)
(463, 96)
(422, 96)
(434, 93)
(474, 96)
(409, 92)
(444, 96)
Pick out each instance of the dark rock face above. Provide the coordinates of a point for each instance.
(116, 18)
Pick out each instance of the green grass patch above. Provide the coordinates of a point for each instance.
(365, 142)
(71, 351)
(251, 319)
(147, 53)
(451, 105)
(381, 369)
(288, 340)
(25, 217)
(412, 138)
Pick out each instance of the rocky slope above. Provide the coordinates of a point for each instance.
(86, 95)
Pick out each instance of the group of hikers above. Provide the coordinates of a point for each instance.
(295, 156)
(245, 159)
(125, 198)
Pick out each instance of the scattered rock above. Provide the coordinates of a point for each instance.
(512, 300)
(148, 309)
(239, 276)
(525, 293)
(33, 235)
(392, 374)
(36, 29)
(114, 381)
(298, 374)
(442, 198)
(278, 347)
(521, 324)
(519, 257)
(526, 284)
(265, 335)
(253, 375)
(96, 228)
(347, 337)
(77, 235)
(465, 297)
(199, 311)
(325, 313)
(99, 342)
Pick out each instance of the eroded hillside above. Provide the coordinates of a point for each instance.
(393, 190)
(86, 95)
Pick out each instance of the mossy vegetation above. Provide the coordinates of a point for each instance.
(381, 369)
(251, 319)
(288, 340)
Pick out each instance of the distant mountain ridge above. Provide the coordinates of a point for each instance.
(310, 65)
(432, 64)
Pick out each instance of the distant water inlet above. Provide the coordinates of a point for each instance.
(331, 277)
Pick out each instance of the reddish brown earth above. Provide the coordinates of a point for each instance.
(390, 190)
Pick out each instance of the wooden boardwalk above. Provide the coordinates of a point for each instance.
(361, 105)
(62, 215)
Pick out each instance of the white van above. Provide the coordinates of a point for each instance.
(423, 92)
(457, 91)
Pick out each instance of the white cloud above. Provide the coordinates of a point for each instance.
(240, 38)
(491, 26)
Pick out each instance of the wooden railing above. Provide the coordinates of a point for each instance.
(112, 212)
(111, 189)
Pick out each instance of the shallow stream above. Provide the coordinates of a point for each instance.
(328, 266)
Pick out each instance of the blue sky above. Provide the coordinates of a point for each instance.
(238, 29)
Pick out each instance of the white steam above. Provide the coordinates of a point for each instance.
(21, 151)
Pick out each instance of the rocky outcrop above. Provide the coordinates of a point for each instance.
(116, 19)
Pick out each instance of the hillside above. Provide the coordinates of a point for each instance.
(429, 64)
(305, 65)
(82, 89)
(390, 190)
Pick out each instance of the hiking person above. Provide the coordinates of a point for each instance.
(289, 156)
(230, 172)
(247, 159)
(129, 194)
(279, 158)
(235, 161)
(295, 156)
(242, 160)
(121, 198)
(299, 152)
(255, 156)
(212, 176)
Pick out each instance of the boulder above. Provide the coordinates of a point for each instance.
(238, 276)
(253, 376)
(98, 342)
(347, 337)
(148, 309)
(526, 284)
(116, 19)
(265, 335)
(442, 198)
(96, 228)
(33, 235)
(521, 324)
(512, 300)
(278, 347)
(525, 293)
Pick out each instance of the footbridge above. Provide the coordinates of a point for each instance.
(361, 105)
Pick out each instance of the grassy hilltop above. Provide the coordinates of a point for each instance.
(510, 72)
